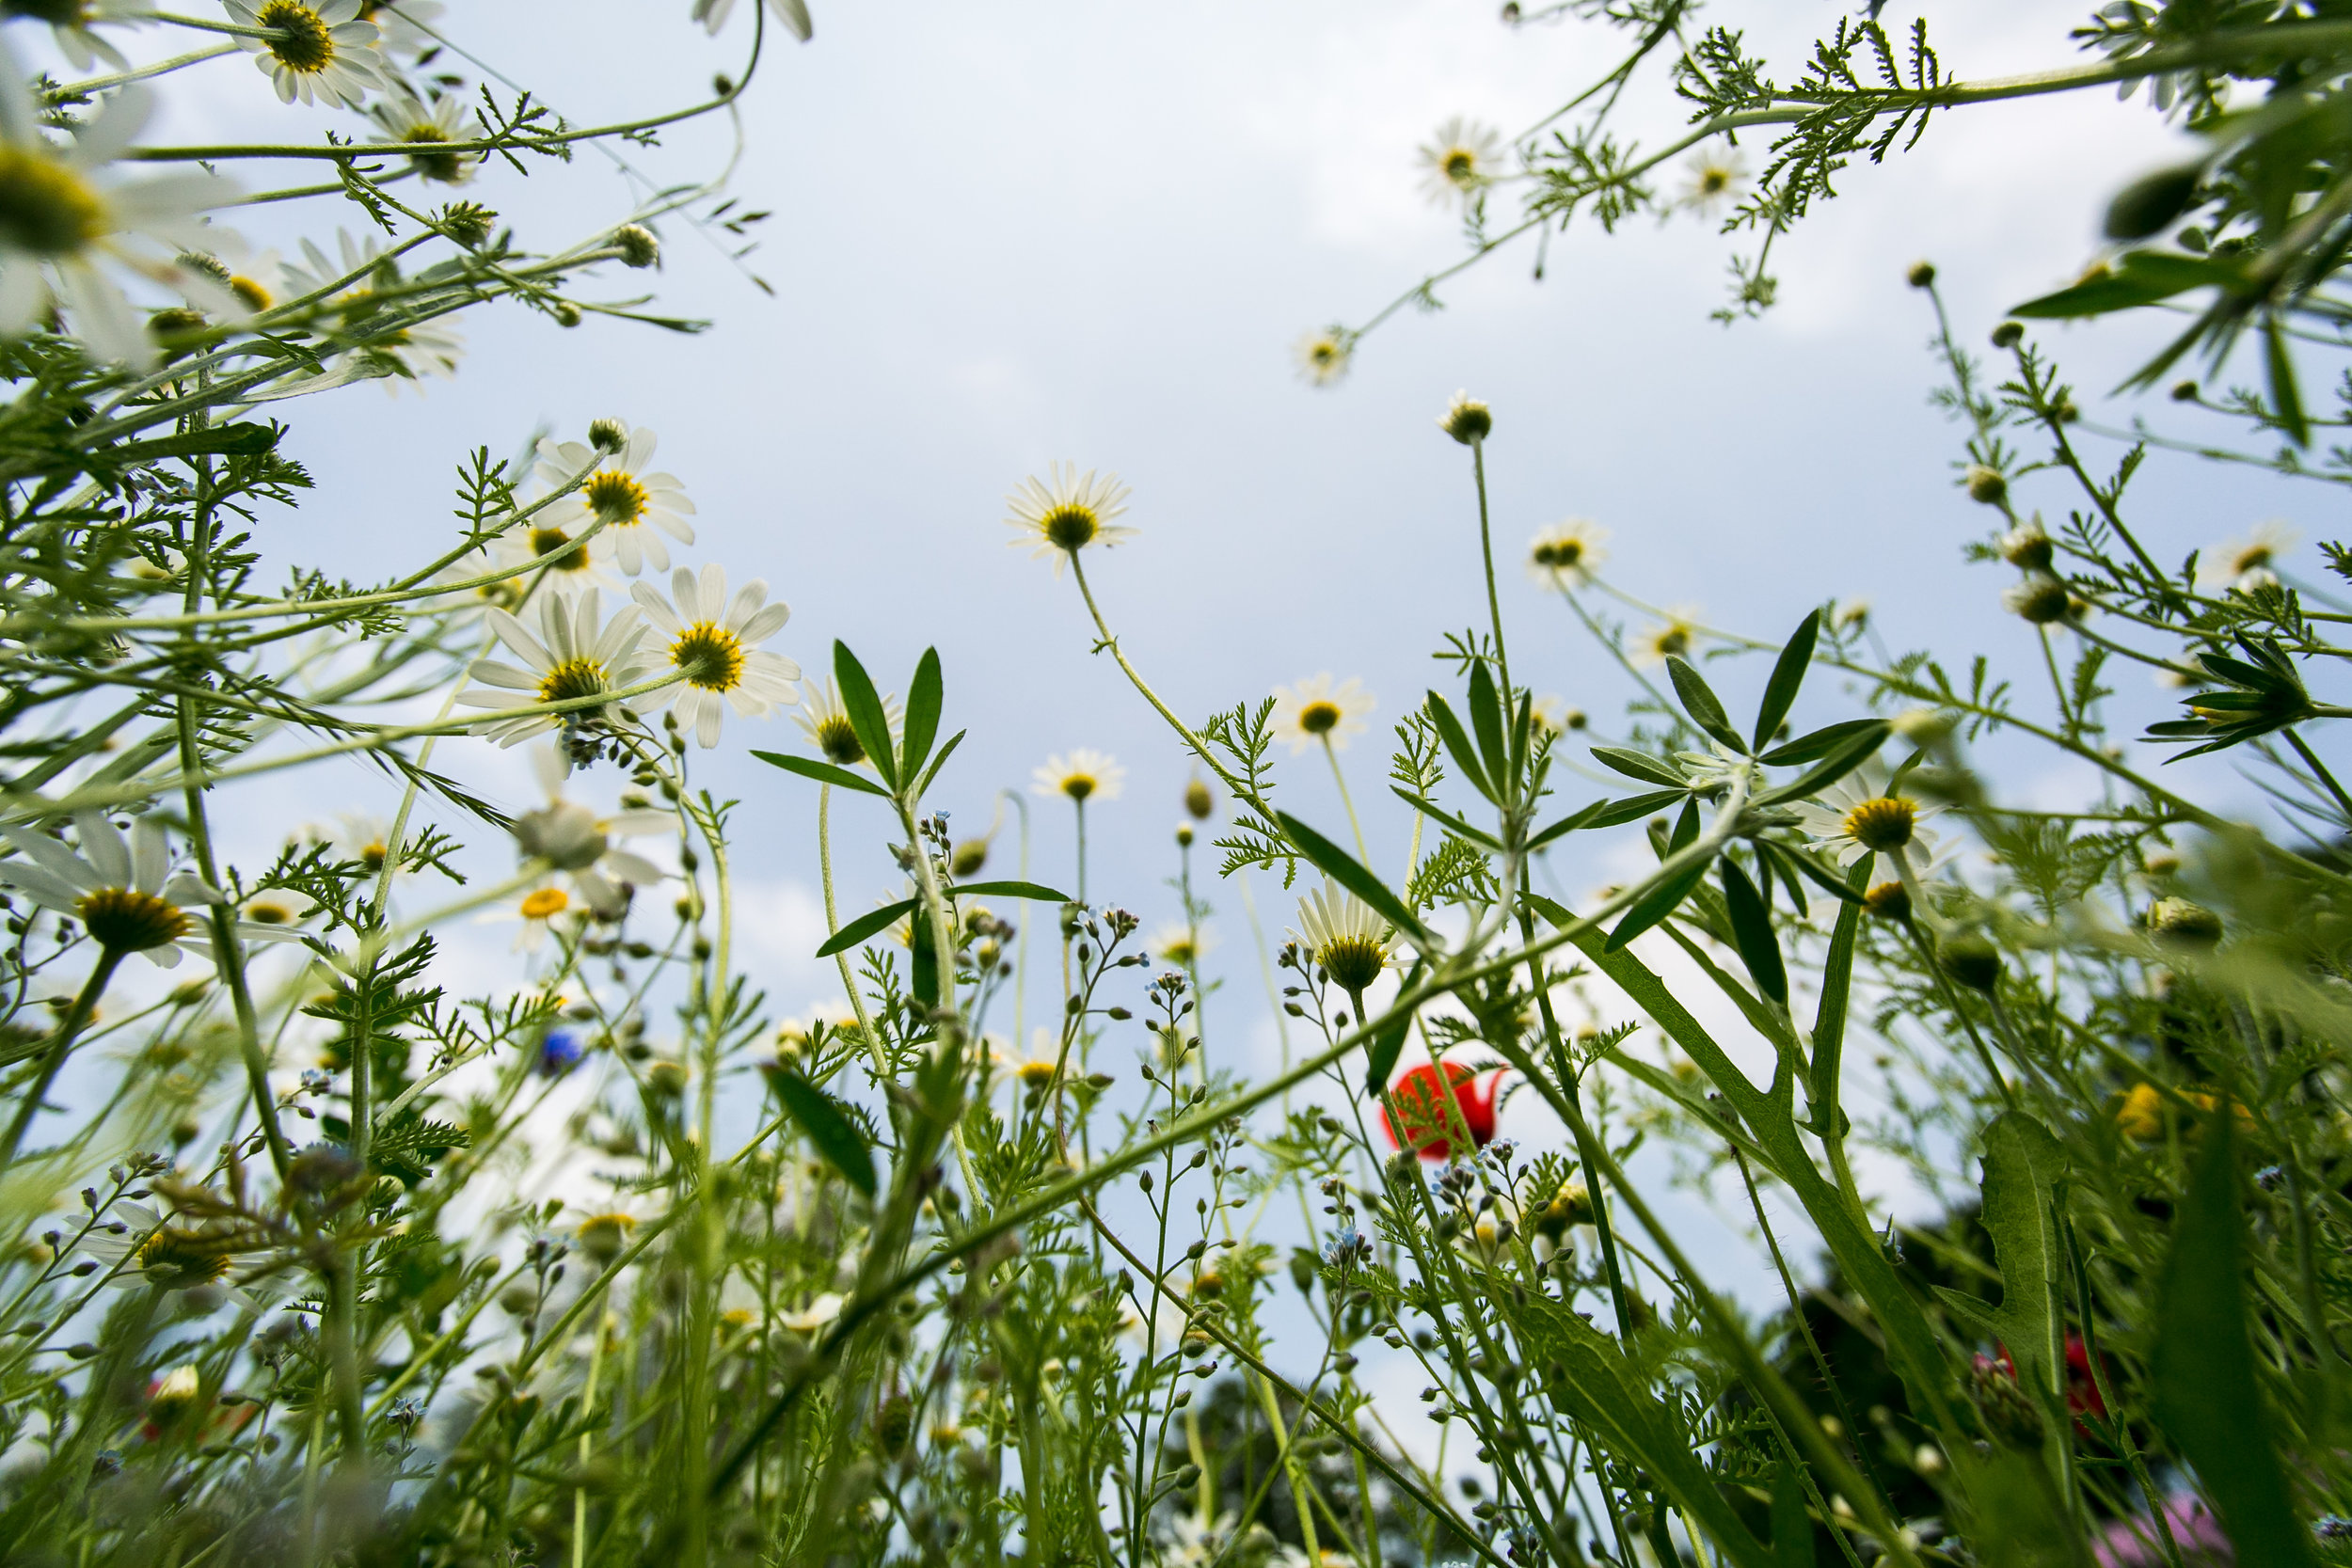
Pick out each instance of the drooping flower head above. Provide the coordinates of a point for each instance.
(71, 24)
(1082, 775)
(713, 15)
(1566, 554)
(1420, 1096)
(68, 225)
(1460, 161)
(1343, 936)
(1066, 511)
(577, 653)
(630, 501)
(322, 54)
(1316, 712)
(585, 846)
(713, 647)
(407, 121)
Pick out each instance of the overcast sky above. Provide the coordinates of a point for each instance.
(1005, 235)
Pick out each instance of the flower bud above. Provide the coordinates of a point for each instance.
(608, 436)
(2183, 924)
(1971, 961)
(968, 856)
(637, 246)
(2026, 548)
(2184, 392)
(1467, 420)
(2039, 599)
(1200, 799)
(1888, 901)
(2009, 334)
(1986, 485)
(1921, 276)
(2149, 204)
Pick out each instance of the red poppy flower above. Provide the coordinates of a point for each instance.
(1428, 1127)
(2082, 1389)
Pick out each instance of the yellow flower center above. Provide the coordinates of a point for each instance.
(1883, 824)
(1559, 554)
(267, 911)
(2251, 559)
(305, 43)
(1036, 1074)
(175, 1259)
(617, 498)
(254, 296)
(574, 678)
(1078, 786)
(839, 741)
(371, 854)
(129, 920)
(1072, 526)
(45, 207)
(1673, 639)
(1323, 353)
(554, 549)
(1715, 181)
(1319, 718)
(1353, 962)
(1460, 165)
(448, 167)
(547, 901)
(709, 655)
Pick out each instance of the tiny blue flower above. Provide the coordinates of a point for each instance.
(559, 1052)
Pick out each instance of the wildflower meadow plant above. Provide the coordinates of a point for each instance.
(309, 1260)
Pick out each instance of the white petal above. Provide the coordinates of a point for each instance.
(504, 675)
(511, 632)
(657, 608)
(104, 849)
(24, 292)
(151, 855)
(707, 724)
(634, 869)
(764, 622)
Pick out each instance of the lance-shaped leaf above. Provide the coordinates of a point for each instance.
(823, 772)
(1663, 899)
(1436, 813)
(1388, 1042)
(1458, 747)
(1351, 873)
(1637, 765)
(1829, 1023)
(1831, 768)
(1789, 672)
(2208, 1386)
(2023, 1164)
(923, 785)
(923, 963)
(922, 726)
(1818, 743)
(829, 1128)
(867, 717)
(1038, 891)
(865, 925)
(1486, 711)
(1700, 702)
(1752, 929)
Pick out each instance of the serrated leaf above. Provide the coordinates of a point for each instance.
(924, 698)
(2208, 1388)
(865, 925)
(1788, 673)
(823, 772)
(1699, 701)
(1639, 764)
(868, 718)
(1752, 931)
(2023, 1165)
(1351, 873)
(829, 1128)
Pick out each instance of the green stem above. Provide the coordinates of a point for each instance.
(1487, 555)
(1332, 756)
(833, 923)
(76, 1018)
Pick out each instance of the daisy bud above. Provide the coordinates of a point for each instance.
(2158, 861)
(567, 314)
(2039, 599)
(1467, 420)
(1888, 901)
(637, 246)
(1184, 835)
(2009, 334)
(1927, 1459)
(1198, 799)
(173, 1394)
(1921, 276)
(1971, 961)
(2184, 392)
(968, 856)
(1986, 485)
(2026, 548)
(2183, 924)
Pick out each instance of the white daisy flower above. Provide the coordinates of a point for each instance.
(1181, 944)
(1464, 158)
(401, 27)
(547, 546)
(405, 121)
(631, 502)
(577, 654)
(2246, 565)
(582, 845)
(1322, 357)
(1712, 177)
(325, 54)
(71, 23)
(1343, 936)
(278, 906)
(826, 722)
(1552, 715)
(1315, 712)
(713, 15)
(410, 352)
(1853, 819)
(358, 836)
(188, 1258)
(1083, 775)
(69, 226)
(1566, 554)
(714, 650)
(1671, 638)
(500, 593)
(126, 896)
(1061, 514)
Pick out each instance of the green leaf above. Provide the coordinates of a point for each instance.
(923, 963)
(1634, 807)
(1486, 711)
(2023, 1165)
(865, 925)
(829, 1128)
(1839, 763)
(1385, 1046)
(1829, 1023)
(2137, 277)
(923, 785)
(1639, 764)
(1657, 904)
(1792, 1532)
(823, 772)
(1752, 930)
(224, 440)
(1700, 702)
(1445, 819)
(1818, 744)
(1038, 891)
(2207, 1384)
(2286, 399)
(923, 703)
(867, 714)
(1345, 870)
(1458, 747)
(1788, 673)
(1569, 824)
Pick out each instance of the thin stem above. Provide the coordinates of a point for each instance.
(1331, 754)
(2343, 801)
(76, 1018)
(833, 923)
(1487, 555)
